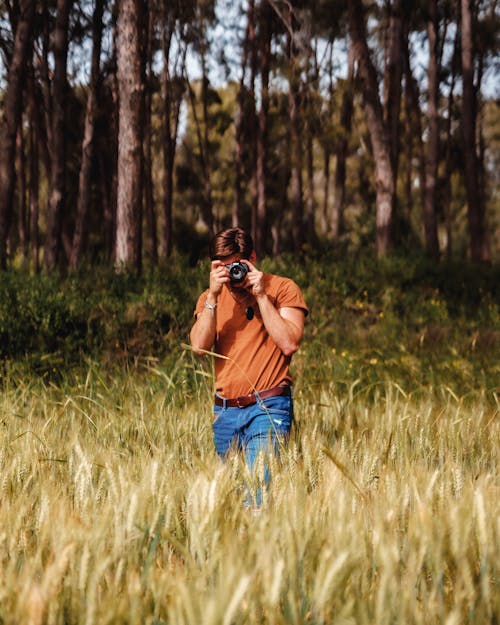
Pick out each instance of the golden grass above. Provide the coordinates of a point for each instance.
(115, 509)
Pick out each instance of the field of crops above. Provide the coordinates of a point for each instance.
(384, 507)
(114, 508)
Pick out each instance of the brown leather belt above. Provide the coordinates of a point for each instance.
(247, 400)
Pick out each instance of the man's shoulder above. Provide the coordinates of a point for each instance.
(285, 292)
(281, 281)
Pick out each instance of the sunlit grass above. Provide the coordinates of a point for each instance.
(115, 509)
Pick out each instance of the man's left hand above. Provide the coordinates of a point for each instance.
(255, 280)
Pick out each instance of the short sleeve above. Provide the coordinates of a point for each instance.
(200, 303)
(289, 295)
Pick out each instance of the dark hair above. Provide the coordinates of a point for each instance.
(231, 241)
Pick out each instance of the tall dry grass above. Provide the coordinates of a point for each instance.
(115, 509)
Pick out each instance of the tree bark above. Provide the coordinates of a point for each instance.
(207, 179)
(207, 211)
(384, 178)
(479, 251)
(241, 117)
(253, 44)
(296, 184)
(311, 121)
(168, 139)
(432, 159)
(22, 206)
(35, 142)
(151, 230)
(34, 201)
(130, 136)
(11, 119)
(448, 169)
(392, 82)
(84, 184)
(46, 87)
(412, 98)
(260, 225)
(58, 147)
(337, 224)
(326, 144)
(172, 91)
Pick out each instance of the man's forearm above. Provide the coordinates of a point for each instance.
(202, 334)
(283, 332)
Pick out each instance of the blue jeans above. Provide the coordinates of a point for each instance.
(253, 429)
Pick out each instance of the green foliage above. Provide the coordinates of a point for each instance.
(101, 314)
(404, 320)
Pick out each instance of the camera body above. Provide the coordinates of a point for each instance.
(237, 271)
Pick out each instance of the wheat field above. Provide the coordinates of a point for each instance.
(115, 509)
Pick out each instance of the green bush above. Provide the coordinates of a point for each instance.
(94, 314)
(404, 319)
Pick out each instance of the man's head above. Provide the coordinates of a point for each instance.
(232, 242)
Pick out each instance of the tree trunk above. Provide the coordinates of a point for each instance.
(253, 44)
(327, 146)
(168, 141)
(172, 92)
(22, 217)
(412, 98)
(46, 87)
(207, 179)
(311, 116)
(408, 159)
(310, 201)
(207, 212)
(108, 163)
(285, 209)
(241, 117)
(384, 178)
(130, 136)
(84, 184)
(58, 147)
(296, 187)
(429, 208)
(151, 230)
(260, 225)
(326, 189)
(337, 225)
(392, 82)
(33, 199)
(479, 251)
(448, 151)
(12, 105)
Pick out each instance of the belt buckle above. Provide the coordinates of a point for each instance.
(245, 400)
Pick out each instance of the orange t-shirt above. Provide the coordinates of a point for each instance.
(250, 359)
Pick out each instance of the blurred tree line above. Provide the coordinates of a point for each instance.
(131, 129)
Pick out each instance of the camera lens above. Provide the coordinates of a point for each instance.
(237, 271)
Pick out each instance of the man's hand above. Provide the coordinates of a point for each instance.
(254, 280)
(219, 275)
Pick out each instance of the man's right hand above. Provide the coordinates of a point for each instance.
(219, 275)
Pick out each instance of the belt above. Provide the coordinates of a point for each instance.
(252, 398)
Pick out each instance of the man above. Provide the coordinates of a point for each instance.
(254, 323)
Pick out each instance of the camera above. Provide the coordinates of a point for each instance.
(237, 271)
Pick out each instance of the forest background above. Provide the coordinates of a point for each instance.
(134, 129)
(342, 135)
